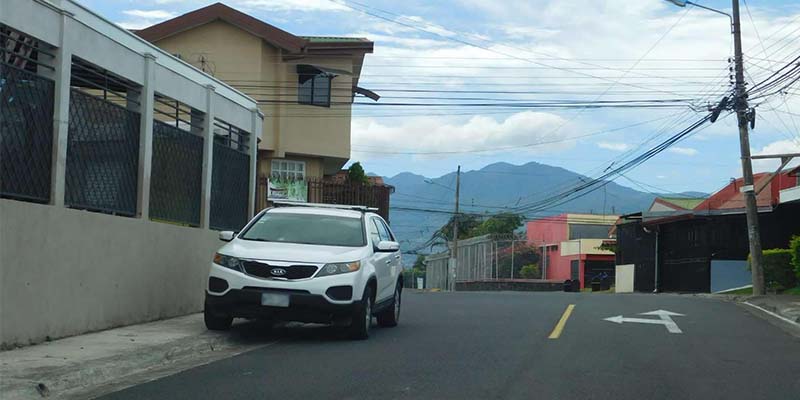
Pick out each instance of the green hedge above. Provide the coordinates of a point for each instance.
(778, 269)
(794, 247)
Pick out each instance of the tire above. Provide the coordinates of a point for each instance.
(216, 322)
(391, 316)
(362, 317)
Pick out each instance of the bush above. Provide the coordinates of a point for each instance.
(530, 271)
(778, 269)
(794, 247)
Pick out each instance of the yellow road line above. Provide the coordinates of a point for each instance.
(563, 321)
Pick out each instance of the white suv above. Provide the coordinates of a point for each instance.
(312, 263)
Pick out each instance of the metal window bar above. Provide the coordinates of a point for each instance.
(231, 136)
(176, 179)
(26, 134)
(22, 51)
(102, 154)
(178, 114)
(86, 77)
(230, 188)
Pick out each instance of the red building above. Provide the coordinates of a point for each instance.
(570, 245)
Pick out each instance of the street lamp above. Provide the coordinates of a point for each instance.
(741, 108)
(681, 3)
(430, 182)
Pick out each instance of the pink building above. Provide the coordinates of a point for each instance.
(570, 245)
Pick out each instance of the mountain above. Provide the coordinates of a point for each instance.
(495, 188)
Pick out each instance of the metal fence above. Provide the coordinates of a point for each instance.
(176, 178)
(436, 271)
(102, 155)
(26, 134)
(230, 188)
(336, 192)
(484, 258)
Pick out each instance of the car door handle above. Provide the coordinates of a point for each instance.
(388, 261)
(397, 256)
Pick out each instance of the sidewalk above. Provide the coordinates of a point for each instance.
(786, 306)
(87, 365)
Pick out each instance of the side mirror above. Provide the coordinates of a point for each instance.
(227, 236)
(388, 246)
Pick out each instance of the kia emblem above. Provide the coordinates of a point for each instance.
(278, 271)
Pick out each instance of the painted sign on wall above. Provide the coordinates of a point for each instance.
(287, 189)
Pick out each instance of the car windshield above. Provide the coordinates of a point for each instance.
(325, 230)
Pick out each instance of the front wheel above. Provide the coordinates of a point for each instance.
(362, 317)
(216, 322)
(391, 316)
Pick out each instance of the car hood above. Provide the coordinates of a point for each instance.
(291, 252)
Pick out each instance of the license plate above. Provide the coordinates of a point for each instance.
(275, 299)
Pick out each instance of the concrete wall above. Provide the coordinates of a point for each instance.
(510, 285)
(623, 278)
(64, 272)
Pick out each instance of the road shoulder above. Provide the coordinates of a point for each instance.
(110, 360)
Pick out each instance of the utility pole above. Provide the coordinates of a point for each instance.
(748, 189)
(454, 254)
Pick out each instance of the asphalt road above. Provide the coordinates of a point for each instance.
(496, 346)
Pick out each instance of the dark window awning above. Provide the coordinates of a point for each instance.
(367, 93)
(311, 70)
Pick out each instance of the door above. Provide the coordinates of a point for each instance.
(391, 262)
(381, 261)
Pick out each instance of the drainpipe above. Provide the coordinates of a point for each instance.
(655, 286)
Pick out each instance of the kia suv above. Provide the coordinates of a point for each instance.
(311, 263)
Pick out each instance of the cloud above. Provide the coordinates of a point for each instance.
(294, 5)
(139, 19)
(778, 147)
(684, 151)
(447, 134)
(149, 14)
(613, 146)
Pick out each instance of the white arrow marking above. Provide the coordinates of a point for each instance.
(665, 318)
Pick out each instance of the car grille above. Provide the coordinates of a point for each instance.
(263, 270)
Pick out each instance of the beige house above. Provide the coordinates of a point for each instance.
(304, 85)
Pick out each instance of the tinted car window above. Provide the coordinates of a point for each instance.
(382, 231)
(373, 232)
(322, 230)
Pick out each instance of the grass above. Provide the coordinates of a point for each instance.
(748, 290)
(794, 291)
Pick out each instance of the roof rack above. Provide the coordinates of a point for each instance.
(287, 203)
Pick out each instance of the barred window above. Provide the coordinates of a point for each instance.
(289, 169)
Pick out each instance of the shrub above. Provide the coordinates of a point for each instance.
(530, 271)
(778, 268)
(794, 247)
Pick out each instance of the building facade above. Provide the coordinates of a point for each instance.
(705, 249)
(109, 209)
(571, 246)
(304, 85)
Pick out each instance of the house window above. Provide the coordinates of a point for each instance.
(288, 169)
(314, 89)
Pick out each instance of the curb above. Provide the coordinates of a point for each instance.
(774, 314)
(71, 378)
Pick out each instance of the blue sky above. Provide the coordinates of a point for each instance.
(566, 50)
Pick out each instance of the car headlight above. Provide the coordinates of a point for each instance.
(339, 268)
(228, 262)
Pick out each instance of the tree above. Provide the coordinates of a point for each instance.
(608, 246)
(530, 271)
(466, 224)
(356, 173)
(419, 263)
(524, 254)
(499, 224)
